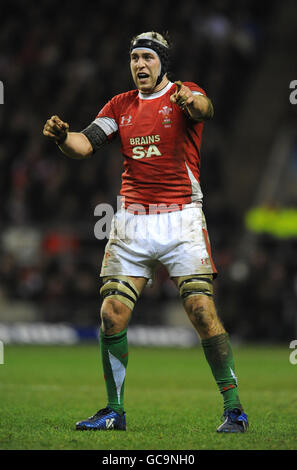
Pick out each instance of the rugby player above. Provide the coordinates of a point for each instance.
(160, 125)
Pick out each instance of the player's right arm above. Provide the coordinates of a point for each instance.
(76, 145)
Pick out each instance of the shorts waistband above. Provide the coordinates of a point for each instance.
(162, 208)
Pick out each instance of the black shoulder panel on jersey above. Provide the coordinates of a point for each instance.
(96, 136)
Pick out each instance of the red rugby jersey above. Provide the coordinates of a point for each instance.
(160, 145)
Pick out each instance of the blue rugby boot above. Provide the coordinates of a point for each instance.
(236, 421)
(104, 420)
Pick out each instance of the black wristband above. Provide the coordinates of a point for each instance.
(96, 136)
(62, 139)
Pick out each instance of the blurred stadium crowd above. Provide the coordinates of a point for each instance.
(70, 61)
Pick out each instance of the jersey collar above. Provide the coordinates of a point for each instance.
(162, 92)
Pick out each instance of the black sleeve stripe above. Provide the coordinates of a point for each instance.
(96, 136)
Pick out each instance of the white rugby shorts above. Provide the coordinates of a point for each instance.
(179, 240)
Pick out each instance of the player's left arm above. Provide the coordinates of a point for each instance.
(198, 107)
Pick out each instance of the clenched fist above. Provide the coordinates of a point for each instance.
(56, 129)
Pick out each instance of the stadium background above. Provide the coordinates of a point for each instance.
(69, 60)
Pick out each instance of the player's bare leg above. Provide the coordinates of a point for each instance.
(115, 315)
(120, 295)
(202, 313)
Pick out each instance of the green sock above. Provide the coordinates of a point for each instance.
(218, 353)
(114, 356)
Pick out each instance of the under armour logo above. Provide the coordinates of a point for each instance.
(126, 120)
(109, 423)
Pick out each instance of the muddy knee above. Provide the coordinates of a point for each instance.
(119, 297)
(114, 317)
(204, 318)
(108, 322)
(200, 317)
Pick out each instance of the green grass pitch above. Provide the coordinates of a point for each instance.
(172, 400)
